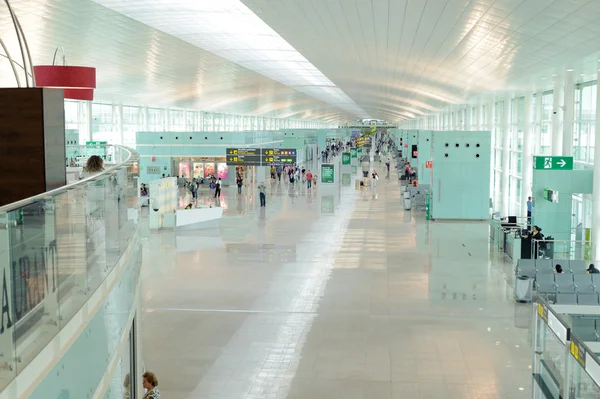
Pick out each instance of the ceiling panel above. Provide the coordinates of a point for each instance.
(340, 59)
(404, 58)
(143, 66)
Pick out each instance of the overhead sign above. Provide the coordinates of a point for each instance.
(95, 144)
(243, 156)
(429, 165)
(553, 163)
(279, 156)
(153, 170)
(353, 152)
(327, 173)
(345, 158)
(261, 156)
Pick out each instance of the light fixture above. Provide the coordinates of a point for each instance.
(554, 74)
(569, 70)
(78, 82)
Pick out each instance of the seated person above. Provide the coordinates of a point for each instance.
(559, 269)
(592, 269)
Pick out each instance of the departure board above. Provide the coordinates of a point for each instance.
(279, 156)
(243, 156)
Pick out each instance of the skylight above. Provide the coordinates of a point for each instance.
(231, 30)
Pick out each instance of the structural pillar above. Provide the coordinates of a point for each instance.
(557, 143)
(467, 113)
(596, 191)
(568, 113)
(479, 115)
(527, 153)
(537, 141)
(505, 156)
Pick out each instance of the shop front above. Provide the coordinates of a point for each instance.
(201, 168)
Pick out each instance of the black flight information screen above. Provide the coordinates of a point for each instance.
(279, 156)
(243, 156)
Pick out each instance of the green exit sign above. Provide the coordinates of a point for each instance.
(553, 163)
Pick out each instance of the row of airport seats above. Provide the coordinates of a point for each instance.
(586, 328)
(531, 267)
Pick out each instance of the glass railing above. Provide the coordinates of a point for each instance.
(56, 249)
(561, 249)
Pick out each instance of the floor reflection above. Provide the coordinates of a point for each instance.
(332, 293)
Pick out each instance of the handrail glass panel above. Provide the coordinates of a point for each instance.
(56, 250)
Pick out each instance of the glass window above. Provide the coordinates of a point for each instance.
(104, 124)
(132, 123)
(177, 120)
(156, 120)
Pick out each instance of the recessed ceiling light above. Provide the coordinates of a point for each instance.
(569, 70)
(543, 78)
(583, 74)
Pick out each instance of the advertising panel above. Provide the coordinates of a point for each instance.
(222, 171)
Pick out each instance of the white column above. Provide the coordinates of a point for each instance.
(527, 153)
(596, 192)
(120, 123)
(537, 141)
(556, 118)
(568, 113)
(479, 115)
(468, 118)
(85, 132)
(505, 155)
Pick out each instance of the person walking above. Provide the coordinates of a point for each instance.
(240, 182)
(374, 178)
(309, 178)
(194, 189)
(218, 188)
(263, 197)
(529, 209)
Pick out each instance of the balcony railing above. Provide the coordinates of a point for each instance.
(55, 251)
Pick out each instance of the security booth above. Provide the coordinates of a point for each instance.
(565, 351)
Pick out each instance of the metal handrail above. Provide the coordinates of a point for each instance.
(28, 201)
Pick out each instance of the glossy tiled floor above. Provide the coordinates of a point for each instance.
(332, 294)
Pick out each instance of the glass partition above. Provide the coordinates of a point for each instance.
(560, 249)
(56, 249)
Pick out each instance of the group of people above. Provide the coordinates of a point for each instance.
(591, 269)
(331, 151)
(299, 173)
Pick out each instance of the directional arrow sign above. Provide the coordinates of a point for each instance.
(553, 163)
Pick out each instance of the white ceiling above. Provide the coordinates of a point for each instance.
(389, 59)
(139, 65)
(403, 58)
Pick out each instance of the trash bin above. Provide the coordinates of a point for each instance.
(407, 200)
(523, 289)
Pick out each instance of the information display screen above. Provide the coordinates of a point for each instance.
(279, 156)
(345, 158)
(243, 156)
(327, 173)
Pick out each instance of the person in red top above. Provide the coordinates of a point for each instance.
(309, 178)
